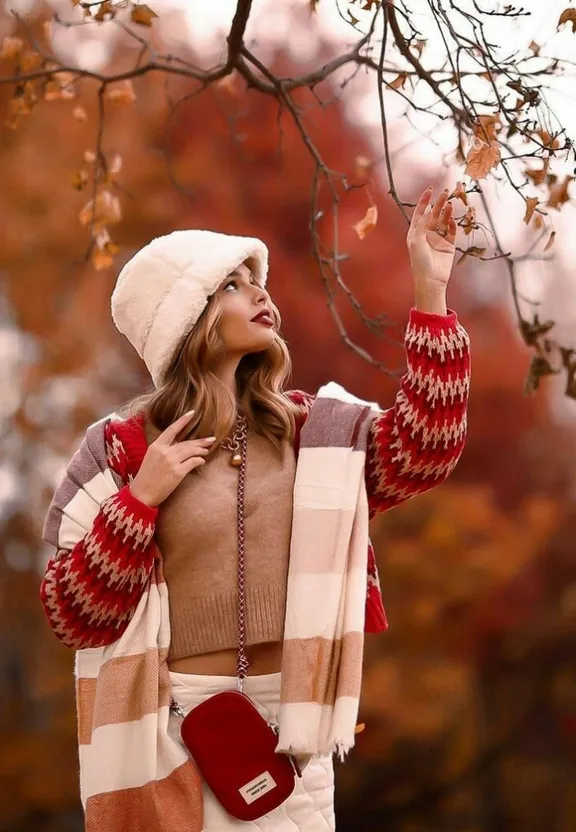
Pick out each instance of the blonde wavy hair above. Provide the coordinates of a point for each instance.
(191, 382)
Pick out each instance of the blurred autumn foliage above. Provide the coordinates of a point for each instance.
(470, 698)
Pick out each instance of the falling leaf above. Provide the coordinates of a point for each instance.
(559, 193)
(538, 222)
(399, 82)
(143, 15)
(368, 223)
(481, 158)
(460, 192)
(420, 44)
(531, 203)
(11, 47)
(353, 20)
(106, 212)
(550, 242)
(80, 113)
(469, 222)
(568, 16)
(313, 4)
(370, 4)
(121, 93)
(80, 180)
(473, 251)
(359, 728)
(363, 166)
(535, 47)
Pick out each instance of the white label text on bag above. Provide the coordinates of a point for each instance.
(258, 787)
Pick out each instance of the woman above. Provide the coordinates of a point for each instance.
(154, 531)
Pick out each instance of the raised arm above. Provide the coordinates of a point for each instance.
(416, 444)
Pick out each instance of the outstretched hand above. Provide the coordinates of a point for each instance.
(431, 240)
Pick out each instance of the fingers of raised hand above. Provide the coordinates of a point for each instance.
(421, 205)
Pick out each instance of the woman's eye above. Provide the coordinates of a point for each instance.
(233, 284)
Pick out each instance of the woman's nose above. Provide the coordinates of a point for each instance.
(261, 295)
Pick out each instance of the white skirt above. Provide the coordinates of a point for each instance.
(310, 808)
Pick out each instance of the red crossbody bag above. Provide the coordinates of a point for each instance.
(231, 743)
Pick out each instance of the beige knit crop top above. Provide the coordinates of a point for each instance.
(196, 532)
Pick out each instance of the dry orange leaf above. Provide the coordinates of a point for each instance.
(550, 242)
(11, 47)
(535, 47)
(80, 180)
(460, 192)
(106, 211)
(368, 223)
(103, 258)
(122, 92)
(531, 203)
(559, 193)
(143, 15)
(487, 127)
(399, 82)
(105, 12)
(548, 140)
(568, 16)
(359, 728)
(469, 221)
(60, 88)
(537, 176)
(473, 251)
(481, 158)
(30, 60)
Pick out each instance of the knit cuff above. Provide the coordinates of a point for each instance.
(139, 510)
(431, 320)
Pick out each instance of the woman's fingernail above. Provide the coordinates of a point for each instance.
(210, 439)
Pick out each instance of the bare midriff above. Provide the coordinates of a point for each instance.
(263, 658)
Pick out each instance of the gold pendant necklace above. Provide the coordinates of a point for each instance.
(234, 445)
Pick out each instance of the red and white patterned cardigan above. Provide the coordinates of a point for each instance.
(91, 590)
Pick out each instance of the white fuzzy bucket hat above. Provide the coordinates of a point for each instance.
(164, 288)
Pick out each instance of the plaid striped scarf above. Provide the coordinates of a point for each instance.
(133, 774)
(325, 604)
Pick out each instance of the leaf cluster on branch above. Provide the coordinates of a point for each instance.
(495, 104)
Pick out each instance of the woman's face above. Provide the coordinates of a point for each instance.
(248, 321)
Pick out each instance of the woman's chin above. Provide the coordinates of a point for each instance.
(260, 344)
